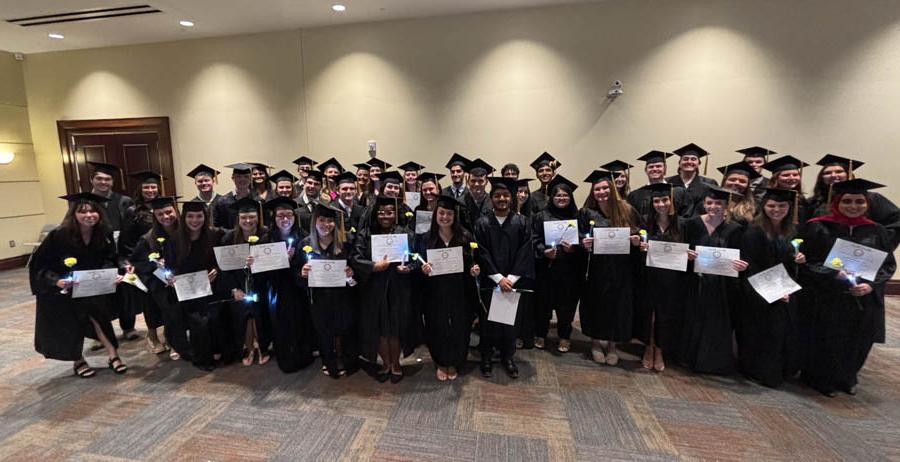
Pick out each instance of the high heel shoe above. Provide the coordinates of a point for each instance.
(262, 359)
(248, 360)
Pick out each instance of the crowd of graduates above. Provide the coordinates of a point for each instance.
(707, 323)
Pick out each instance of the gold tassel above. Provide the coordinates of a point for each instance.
(671, 200)
(850, 172)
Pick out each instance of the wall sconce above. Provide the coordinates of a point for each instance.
(6, 157)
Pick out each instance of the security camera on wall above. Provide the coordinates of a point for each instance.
(615, 90)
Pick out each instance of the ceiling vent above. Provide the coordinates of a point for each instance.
(84, 15)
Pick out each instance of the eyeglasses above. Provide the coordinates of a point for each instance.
(385, 213)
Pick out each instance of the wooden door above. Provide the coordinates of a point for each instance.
(132, 144)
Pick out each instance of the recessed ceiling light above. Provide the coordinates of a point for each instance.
(338, 7)
(56, 35)
(186, 23)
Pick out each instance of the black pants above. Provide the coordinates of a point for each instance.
(195, 315)
(495, 335)
(174, 320)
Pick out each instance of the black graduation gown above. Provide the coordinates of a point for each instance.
(694, 194)
(558, 280)
(472, 210)
(642, 202)
(241, 312)
(607, 295)
(881, 211)
(448, 191)
(770, 343)
(538, 200)
(706, 345)
(386, 302)
(223, 215)
(406, 218)
(62, 322)
(842, 327)
(353, 217)
(116, 209)
(333, 310)
(138, 221)
(447, 303)
(288, 304)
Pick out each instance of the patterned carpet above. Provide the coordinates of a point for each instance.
(563, 408)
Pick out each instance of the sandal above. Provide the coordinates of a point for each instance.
(441, 374)
(248, 360)
(174, 356)
(598, 356)
(452, 374)
(539, 343)
(658, 363)
(83, 370)
(564, 345)
(117, 365)
(156, 347)
(647, 360)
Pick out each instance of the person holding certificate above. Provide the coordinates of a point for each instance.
(333, 309)
(738, 177)
(387, 322)
(447, 300)
(607, 297)
(248, 307)
(706, 344)
(288, 305)
(82, 242)
(662, 304)
(559, 266)
(846, 312)
(390, 187)
(770, 340)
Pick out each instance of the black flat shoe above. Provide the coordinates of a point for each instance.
(486, 369)
(511, 369)
(851, 391)
(383, 376)
(396, 378)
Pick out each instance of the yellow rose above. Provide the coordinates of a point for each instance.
(153, 256)
(70, 262)
(352, 229)
(307, 248)
(409, 214)
(160, 240)
(592, 222)
(253, 239)
(130, 277)
(837, 262)
(473, 245)
(642, 232)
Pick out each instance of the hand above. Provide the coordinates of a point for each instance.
(786, 298)
(861, 290)
(426, 268)
(249, 261)
(475, 270)
(799, 258)
(635, 240)
(120, 278)
(212, 274)
(588, 243)
(550, 253)
(291, 251)
(381, 265)
(505, 285)
(349, 271)
(161, 263)
(567, 248)
(739, 265)
(170, 280)
(841, 275)
(66, 284)
(403, 269)
(645, 246)
(304, 272)
(238, 295)
(692, 255)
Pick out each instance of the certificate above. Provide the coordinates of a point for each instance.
(446, 261)
(232, 257)
(667, 255)
(423, 221)
(773, 283)
(269, 257)
(413, 199)
(716, 260)
(860, 260)
(504, 306)
(612, 241)
(560, 230)
(189, 286)
(394, 246)
(160, 274)
(328, 273)
(94, 282)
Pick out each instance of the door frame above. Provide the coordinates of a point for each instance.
(68, 128)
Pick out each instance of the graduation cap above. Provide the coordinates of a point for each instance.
(203, 169)
(147, 176)
(849, 164)
(663, 190)
(303, 160)
(109, 169)
(240, 168)
(193, 206)
(457, 159)
(245, 204)
(692, 149)
(411, 167)
(523, 182)
(326, 211)
(560, 180)
(281, 203)
(447, 202)
(720, 193)
(432, 177)
(756, 151)
(362, 166)
(855, 186)
(741, 167)
(260, 166)
(346, 177)
(545, 159)
(603, 175)
(282, 175)
(655, 156)
(392, 175)
(500, 182)
(373, 162)
(616, 166)
(478, 163)
(783, 195)
(84, 197)
(332, 162)
(783, 163)
(163, 202)
(315, 174)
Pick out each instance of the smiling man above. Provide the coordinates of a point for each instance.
(103, 179)
(689, 178)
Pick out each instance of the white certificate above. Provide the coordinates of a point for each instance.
(394, 246)
(667, 255)
(504, 306)
(716, 260)
(858, 259)
(94, 282)
(612, 241)
(189, 286)
(560, 230)
(232, 257)
(773, 283)
(445, 261)
(160, 274)
(269, 257)
(413, 199)
(328, 273)
(423, 221)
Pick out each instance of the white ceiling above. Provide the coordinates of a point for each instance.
(213, 18)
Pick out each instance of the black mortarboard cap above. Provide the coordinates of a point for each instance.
(203, 169)
(655, 156)
(332, 162)
(786, 162)
(779, 195)
(378, 163)
(346, 177)
(240, 168)
(523, 182)
(193, 206)
(546, 159)
(282, 175)
(281, 202)
(447, 202)
(362, 166)
(616, 166)
(429, 176)
(260, 166)
(691, 148)
(598, 175)
(660, 189)
(411, 167)
(103, 167)
(855, 186)
(384, 200)
(315, 174)
(163, 202)
(457, 159)
(304, 160)
(832, 159)
(245, 204)
(739, 167)
(325, 210)
(561, 180)
(720, 193)
(84, 196)
(502, 182)
(147, 176)
(756, 151)
(478, 163)
(392, 175)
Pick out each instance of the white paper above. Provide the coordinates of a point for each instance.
(269, 257)
(773, 283)
(160, 274)
(612, 241)
(504, 306)
(858, 259)
(94, 282)
(423, 221)
(395, 246)
(232, 257)
(413, 199)
(189, 286)
(560, 230)
(667, 255)
(136, 282)
(116, 237)
(328, 273)
(446, 261)
(716, 260)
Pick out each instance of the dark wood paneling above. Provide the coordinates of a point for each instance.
(14, 262)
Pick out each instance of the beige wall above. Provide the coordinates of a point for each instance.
(21, 206)
(804, 77)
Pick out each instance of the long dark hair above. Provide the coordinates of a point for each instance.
(158, 230)
(206, 240)
(275, 231)
(787, 228)
(340, 236)
(673, 232)
(460, 236)
(621, 214)
(72, 229)
(373, 218)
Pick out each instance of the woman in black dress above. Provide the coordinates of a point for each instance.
(82, 242)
